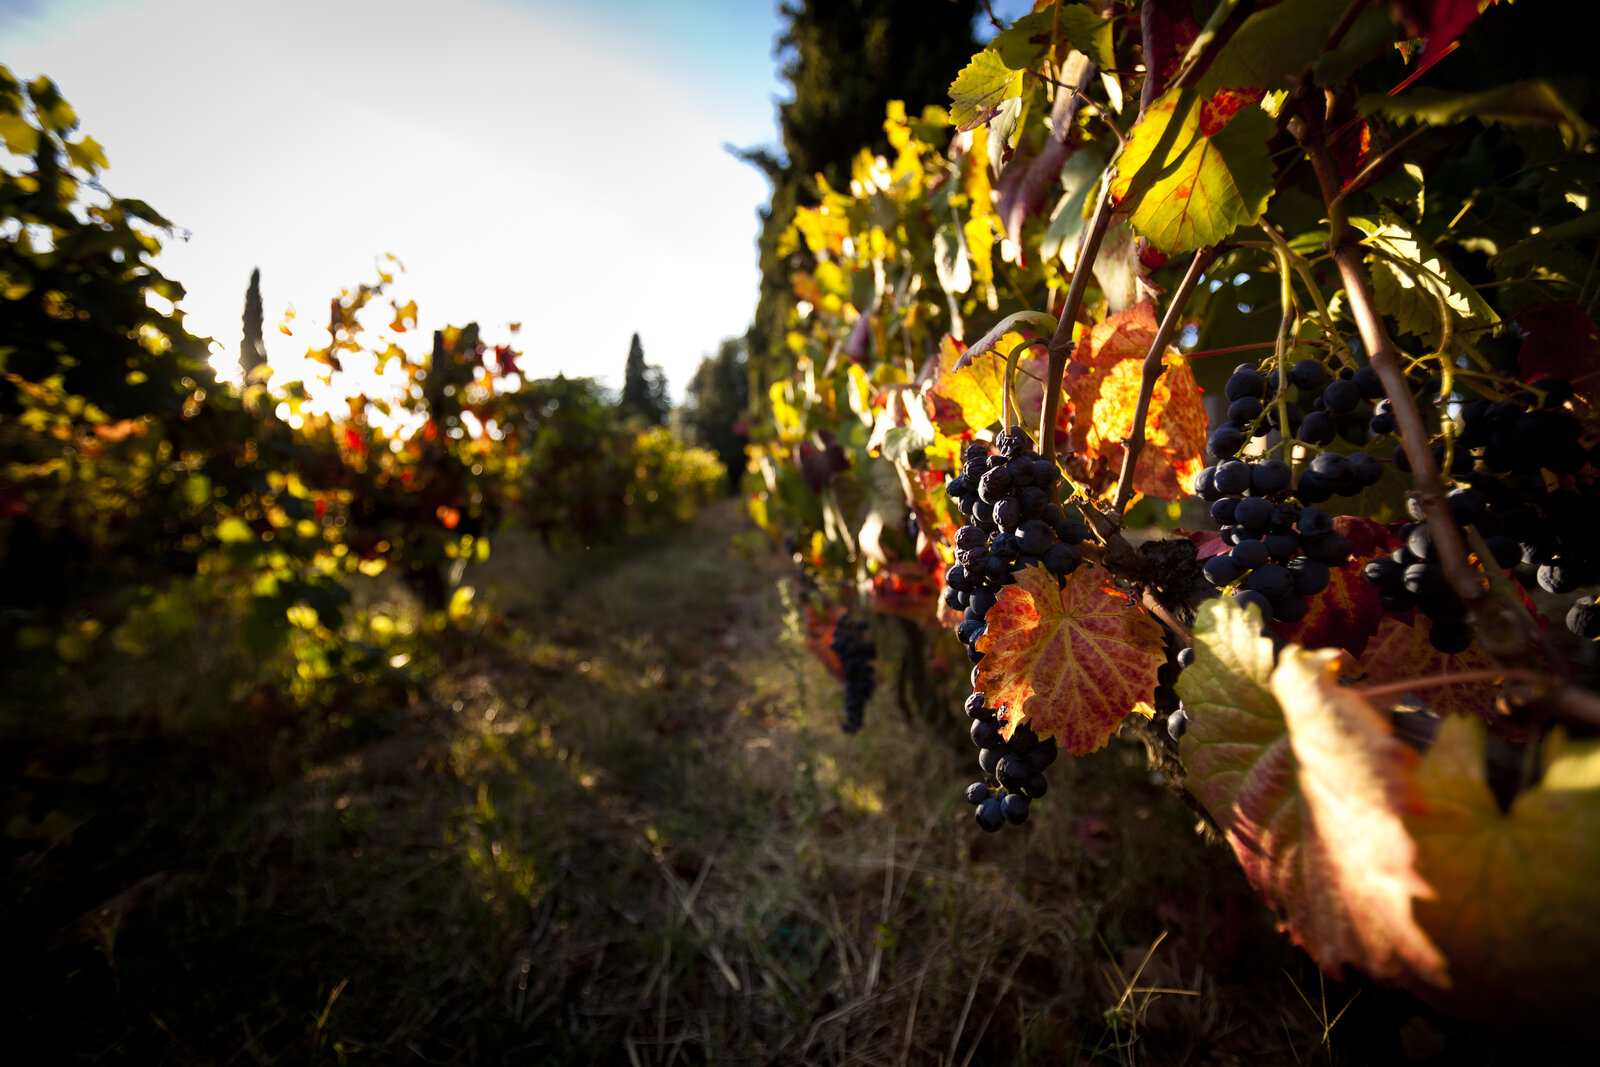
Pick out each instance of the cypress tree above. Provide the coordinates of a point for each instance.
(252, 349)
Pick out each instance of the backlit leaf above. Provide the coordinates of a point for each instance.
(1410, 281)
(1516, 913)
(1185, 189)
(1307, 784)
(1103, 384)
(1072, 662)
(979, 89)
(977, 388)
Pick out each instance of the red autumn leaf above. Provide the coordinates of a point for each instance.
(1072, 662)
(1207, 543)
(819, 637)
(1309, 787)
(1347, 613)
(1400, 650)
(1441, 21)
(905, 589)
(1560, 341)
(1215, 113)
(1103, 384)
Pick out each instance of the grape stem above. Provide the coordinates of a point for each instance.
(1154, 364)
(1497, 626)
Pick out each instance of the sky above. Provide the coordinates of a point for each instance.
(553, 163)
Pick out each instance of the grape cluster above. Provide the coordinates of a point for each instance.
(1013, 522)
(1281, 548)
(856, 652)
(1507, 461)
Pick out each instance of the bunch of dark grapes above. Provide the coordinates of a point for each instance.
(1508, 462)
(856, 652)
(1013, 522)
(1282, 549)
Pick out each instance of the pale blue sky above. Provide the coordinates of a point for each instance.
(543, 161)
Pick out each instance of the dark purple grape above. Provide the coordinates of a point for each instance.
(1244, 411)
(1270, 476)
(1313, 522)
(1245, 381)
(1248, 555)
(1177, 724)
(1254, 513)
(1291, 608)
(1310, 576)
(1232, 477)
(1367, 380)
(1342, 397)
(1318, 428)
(977, 793)
(1223, 511)
(1224, 442)
(1309, 375)
(1221, 570)
(1253, 596)
(1271, 581)
(1015, 808)
(991, 815)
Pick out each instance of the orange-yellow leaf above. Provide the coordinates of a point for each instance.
(1103, 384)
(977, 389)
(1072, 662)
(402, 313)
(1353, 785)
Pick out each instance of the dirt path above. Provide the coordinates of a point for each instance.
(626, 829)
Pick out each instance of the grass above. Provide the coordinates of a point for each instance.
(619, 825)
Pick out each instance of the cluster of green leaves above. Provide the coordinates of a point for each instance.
(1330, 205)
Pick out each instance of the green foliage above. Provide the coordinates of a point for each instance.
(716, 408)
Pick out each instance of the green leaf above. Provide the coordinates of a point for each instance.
(1373, 31)
(1525, 103)
(20, 138)
(1025, 42)
(1515, 914)
(980, 88)
(1529, 253)
(1411, 282)
(1272, 46)
(1186, 190)
(1089, 34)
(87, 154)
(1079, 176)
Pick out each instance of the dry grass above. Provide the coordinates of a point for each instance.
(623, 827)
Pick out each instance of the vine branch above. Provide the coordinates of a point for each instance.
(1498, 626)
(1061, 342)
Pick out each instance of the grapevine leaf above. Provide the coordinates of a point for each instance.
(1400, 650)
(1037, 320)
(1025, 42)
(977, 388)
(1089, 34)
(1524, 103)
(1272, 46)
(1072, 662)
(1080, 175)
(1346, 614)
(1186, 189)
(1353, 783)
(1410, 281)
(1307, 785)
(1103, 385)
(1515, 915)
(1560, 341)
(980, 88)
